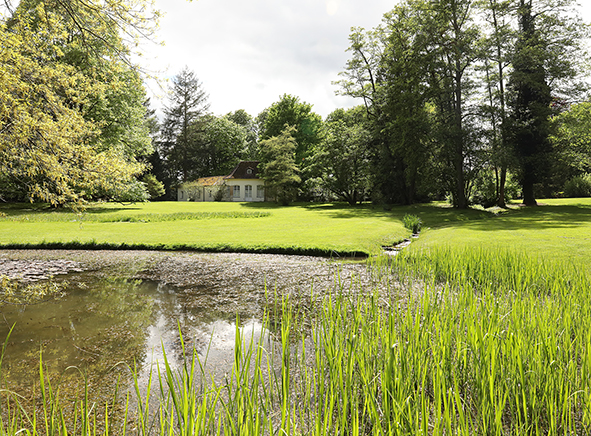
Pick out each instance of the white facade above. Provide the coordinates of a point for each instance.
(231, 190)
(245, 190)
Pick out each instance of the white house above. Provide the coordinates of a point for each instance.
(243, 184)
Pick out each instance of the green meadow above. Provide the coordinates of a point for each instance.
(558, 228)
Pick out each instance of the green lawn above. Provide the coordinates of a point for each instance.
(558, 228)
(298, 228)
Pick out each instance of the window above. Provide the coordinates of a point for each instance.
(260, 191)
(236, 193)
(249, 171)
(248, 191)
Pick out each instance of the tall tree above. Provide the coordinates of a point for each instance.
(544, 66)
(49, 144)
(342, 159)
(531, 104)
(279, 169)
(291, 111)
(242, 118)
(187, 103)
(497, 46)
(217, 145)
(454, 38)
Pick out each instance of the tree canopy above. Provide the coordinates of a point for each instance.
(72, 123)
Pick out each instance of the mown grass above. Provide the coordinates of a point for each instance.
(305, 228)
(463, 342)
(558, 229)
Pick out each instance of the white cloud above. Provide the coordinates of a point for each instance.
(249, 53)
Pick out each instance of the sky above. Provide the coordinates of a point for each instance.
(248, 53)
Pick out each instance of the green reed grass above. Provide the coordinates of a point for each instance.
(468, 343)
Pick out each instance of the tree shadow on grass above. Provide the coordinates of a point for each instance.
(537, 218)
(17, 209)
(439, 215)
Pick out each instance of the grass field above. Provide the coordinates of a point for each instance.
(307, 228)
(559, 228)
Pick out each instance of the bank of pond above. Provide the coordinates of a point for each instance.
(445, 341)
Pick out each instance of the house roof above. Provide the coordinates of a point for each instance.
(246, 169)
(211, 181)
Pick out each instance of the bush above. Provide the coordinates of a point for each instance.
(412, 223)
(579, 186)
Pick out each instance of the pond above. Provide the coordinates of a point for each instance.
(125, 309)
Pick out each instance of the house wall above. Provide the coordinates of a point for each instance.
(207, 193)
(242, 183)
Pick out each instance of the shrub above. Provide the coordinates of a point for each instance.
(579, 186)
(412, 222)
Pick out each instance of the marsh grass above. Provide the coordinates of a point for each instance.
(473, 343)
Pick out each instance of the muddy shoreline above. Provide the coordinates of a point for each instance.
(185, 270)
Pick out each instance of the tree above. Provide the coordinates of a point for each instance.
(278, 166)
(390, 69)
(342, 159)
(497, 46)
(308, 125)
(571, 143)
(242, 118)
(47, 145)
(217, 145)
(187, 103)
(549, 34)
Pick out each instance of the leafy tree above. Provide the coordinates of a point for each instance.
(217, 145)
(154, 186)
(497, 45)
(278, 166)
(47, 146)
(544, 63)
(342, 159)
(187, 103)
(308, 125)
(389, 69)
(242, 118)
(571, 143)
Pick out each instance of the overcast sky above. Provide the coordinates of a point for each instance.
(248, 53)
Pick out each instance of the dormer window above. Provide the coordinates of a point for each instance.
(249, 171)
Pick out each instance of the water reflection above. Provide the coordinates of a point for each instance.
(101, 323)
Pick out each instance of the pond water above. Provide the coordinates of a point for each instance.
(126, 309)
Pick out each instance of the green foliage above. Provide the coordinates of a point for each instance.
(341, 162)
(218, 144)
(278, 166)
(72, 119)
(485, 189)
(579, 186)
(154, 186)
(187, 104)
(307, 125)
(412, 223)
